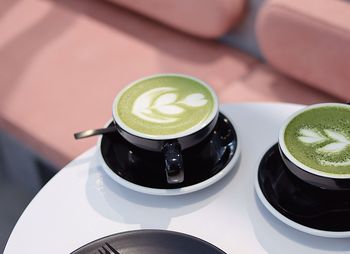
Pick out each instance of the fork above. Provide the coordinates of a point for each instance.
(107, 249)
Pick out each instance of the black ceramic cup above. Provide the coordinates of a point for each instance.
(324, 180)
(170, 145)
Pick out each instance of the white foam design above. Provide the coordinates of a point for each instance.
(165, 99)
(335, 147)
(338, 144)
(195, 100)
(142, 106)
(310, 136)
(160, 105)
(337, 136)
(163, 104)
(170, 109)
(335, 164)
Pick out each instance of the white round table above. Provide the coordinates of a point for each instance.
(81, 203)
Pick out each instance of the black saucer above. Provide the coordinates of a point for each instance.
(145, 168)
(149, 242)
(300, 202)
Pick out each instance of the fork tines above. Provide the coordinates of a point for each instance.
(107, 249)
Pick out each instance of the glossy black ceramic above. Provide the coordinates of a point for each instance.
(146, 168)
(316, 180)
(171, 148)
(149, 242)
(301, 202)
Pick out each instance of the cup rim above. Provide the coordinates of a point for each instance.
(187, 132)
(286, 152)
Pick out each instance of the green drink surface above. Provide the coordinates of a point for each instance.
(320, 139)
(165, 105)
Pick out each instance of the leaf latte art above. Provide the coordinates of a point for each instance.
(336, 143)
(320, 139)
(161, 105)
(166, 105)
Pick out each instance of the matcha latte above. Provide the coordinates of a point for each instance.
(318, 140)
(165, 106)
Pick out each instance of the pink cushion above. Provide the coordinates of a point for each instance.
(263, 83)
(64, 61)
(204, 18)
(308, 40)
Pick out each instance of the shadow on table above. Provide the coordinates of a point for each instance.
(274, 235)
(126, 206)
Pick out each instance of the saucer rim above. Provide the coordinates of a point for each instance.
(264, 200)
(177, 191)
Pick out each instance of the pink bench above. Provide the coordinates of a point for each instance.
(309, 41)
(63, 62)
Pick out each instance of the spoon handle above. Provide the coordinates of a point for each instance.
(93, 132)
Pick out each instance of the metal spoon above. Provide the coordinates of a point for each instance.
(94, 132)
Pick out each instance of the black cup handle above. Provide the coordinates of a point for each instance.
(173, 162)
(348, 102)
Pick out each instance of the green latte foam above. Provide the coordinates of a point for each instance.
(165, 105)
(320, 138)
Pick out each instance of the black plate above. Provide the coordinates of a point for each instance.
(150, 242)
(299, 201)
(146, 168)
